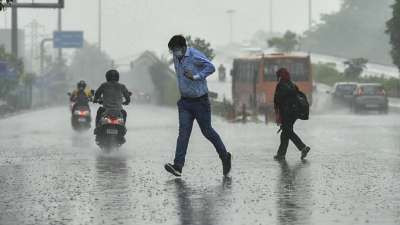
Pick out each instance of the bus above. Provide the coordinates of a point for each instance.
(254, 80)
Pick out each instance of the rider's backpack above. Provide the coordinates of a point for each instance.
(302, 107)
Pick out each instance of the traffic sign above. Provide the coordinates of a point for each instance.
(68, 39)
(7, 72)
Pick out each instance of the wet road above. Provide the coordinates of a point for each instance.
(52, 175)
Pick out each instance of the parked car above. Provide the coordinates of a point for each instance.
(370, 96)
(342, 92)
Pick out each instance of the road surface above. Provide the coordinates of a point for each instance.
(50, 174)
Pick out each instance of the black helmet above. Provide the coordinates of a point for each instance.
(112, 75)
(81, 84)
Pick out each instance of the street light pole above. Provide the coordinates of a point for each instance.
(230, 14)
(271, 17)
(14, 30)
(309, 14)
(100, 23)
(59, 29)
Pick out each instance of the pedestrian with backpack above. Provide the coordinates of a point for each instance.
(290, 105)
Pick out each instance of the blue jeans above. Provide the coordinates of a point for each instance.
(200, 110)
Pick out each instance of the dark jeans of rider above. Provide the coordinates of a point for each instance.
(101, 110)
(189, 110)
(289, 134)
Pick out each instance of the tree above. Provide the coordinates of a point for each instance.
(326, 73)
(393, 29)
(6, 85)
(357, 29)
(287, 43)
(259, 37)
(90, 64)
(201, 45)
(12, 60)
(3, 2)
(355, 67)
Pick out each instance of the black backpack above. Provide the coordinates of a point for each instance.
(302, 107)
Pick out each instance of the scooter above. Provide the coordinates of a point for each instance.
(111, 130)
(81, 118)
(80, 115)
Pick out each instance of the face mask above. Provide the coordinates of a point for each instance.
(178, 53)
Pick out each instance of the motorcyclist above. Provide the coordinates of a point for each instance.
(112, 93)
(81, 95)
(221, 72)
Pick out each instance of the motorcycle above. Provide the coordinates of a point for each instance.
(80, 116)
(111, 130)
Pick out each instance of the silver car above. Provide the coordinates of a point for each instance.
(370, 96)
(342, 92)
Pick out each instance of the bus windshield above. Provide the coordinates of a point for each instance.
(298, 69)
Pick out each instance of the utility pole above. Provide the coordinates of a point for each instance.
(14, 29)
(271, 17)
(230, 14)
(34, 27)
(309, 14)
(59, 29)
(100, 22)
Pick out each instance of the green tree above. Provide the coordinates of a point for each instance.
(355, 67)
(12, 60)
(3, 2)
(357, 29)
(287, 43)
(7, 85)
(326, 73)
(393, 29)
(201, 45)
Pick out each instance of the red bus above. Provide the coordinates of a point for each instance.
(254, 80)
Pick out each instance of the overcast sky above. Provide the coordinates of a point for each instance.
(131, 26)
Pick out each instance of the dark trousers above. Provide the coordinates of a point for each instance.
(100, 112)
(198, 109)
(289, 134)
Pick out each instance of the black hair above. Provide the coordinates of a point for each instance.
(177, 41)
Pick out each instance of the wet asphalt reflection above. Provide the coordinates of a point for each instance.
(50, 174)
